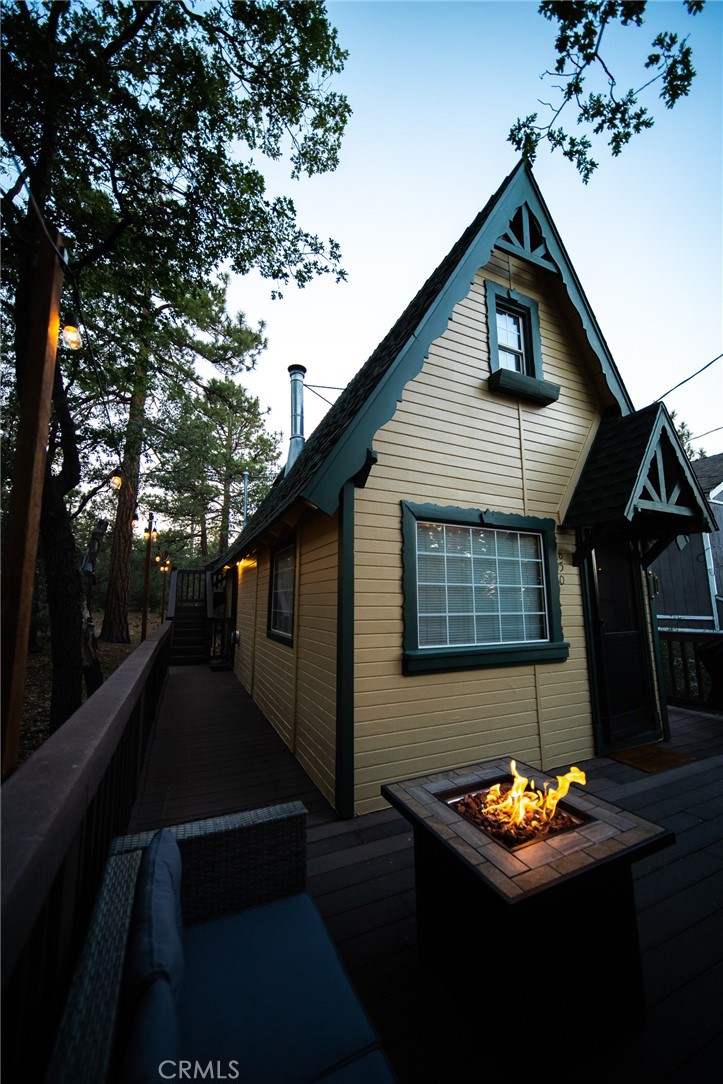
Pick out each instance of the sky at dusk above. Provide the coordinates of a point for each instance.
(434, 88)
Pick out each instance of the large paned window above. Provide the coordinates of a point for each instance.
(480, 589)
(281, 595)
(513, 326)
(479, 585)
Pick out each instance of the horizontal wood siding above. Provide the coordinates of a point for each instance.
(453, 442)
(246, 623)
(316, 661)
(274, 668)
(295, 686)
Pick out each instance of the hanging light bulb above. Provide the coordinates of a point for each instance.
(71, 333)
(116, 479)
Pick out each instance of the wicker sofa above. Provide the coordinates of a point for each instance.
(259, 994)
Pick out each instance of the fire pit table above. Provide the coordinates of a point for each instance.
(556, 914)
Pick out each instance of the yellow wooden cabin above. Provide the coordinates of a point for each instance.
(454, 565)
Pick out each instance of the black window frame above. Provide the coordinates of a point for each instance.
(275, 633)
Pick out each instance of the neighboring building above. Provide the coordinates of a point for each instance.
(689, 605)
(454, 565)
(690, 575)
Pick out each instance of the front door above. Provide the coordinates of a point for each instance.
(627, 709)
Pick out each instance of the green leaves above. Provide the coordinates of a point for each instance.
(148, 114)
(205, 440)
(605, 112)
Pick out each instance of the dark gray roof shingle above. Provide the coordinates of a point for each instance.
(612, 477)
(612, 468)
(709, 472)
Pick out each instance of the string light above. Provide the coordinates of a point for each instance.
(71, 332)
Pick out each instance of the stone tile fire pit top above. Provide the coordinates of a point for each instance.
(607, 833)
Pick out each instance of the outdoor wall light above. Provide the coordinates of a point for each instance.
(71, 333)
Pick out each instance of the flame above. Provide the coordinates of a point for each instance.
(518, 804)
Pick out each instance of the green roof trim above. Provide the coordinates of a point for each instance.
(521, 386)
(337, 449)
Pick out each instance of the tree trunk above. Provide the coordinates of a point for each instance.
(226, 501)
(115, 620)
(64, 603)
(56, 535)
(204, 537)
(36, 612)
(89, 653)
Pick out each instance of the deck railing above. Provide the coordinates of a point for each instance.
(190, 586)
(60, 811)
(687, 680)
(221, 646)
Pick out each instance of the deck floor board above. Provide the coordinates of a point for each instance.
(214, 752)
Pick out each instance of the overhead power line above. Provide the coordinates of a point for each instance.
(707, 433)
(680, 385)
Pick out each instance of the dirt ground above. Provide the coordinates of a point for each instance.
(36, 700)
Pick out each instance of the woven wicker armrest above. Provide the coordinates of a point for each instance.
(236, 861)
(229, 863)
(84, 1043)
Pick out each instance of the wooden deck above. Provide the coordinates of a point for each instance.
(214, 752)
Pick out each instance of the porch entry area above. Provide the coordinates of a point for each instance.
(627, 709)
(636, 495)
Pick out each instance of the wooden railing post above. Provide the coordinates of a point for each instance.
(21, 536)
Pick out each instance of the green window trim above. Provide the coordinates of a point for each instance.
(282, 593)
(419, 660)
(529, 385)
(522, 386)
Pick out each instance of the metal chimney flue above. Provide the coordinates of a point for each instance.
(296, 374)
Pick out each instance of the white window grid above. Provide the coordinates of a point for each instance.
(282, 593)
(479, 586)
(511, 341)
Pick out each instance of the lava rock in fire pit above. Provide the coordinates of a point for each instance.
(490, 818)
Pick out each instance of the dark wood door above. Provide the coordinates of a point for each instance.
(627, 707)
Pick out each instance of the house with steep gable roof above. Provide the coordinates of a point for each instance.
(455, 565)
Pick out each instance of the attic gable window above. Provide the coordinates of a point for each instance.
(511, 341)
(480, 590)
(513, 326)
(281, 594)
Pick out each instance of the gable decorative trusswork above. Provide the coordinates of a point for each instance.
(638, 477)
(663, 489)
(524, 238)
